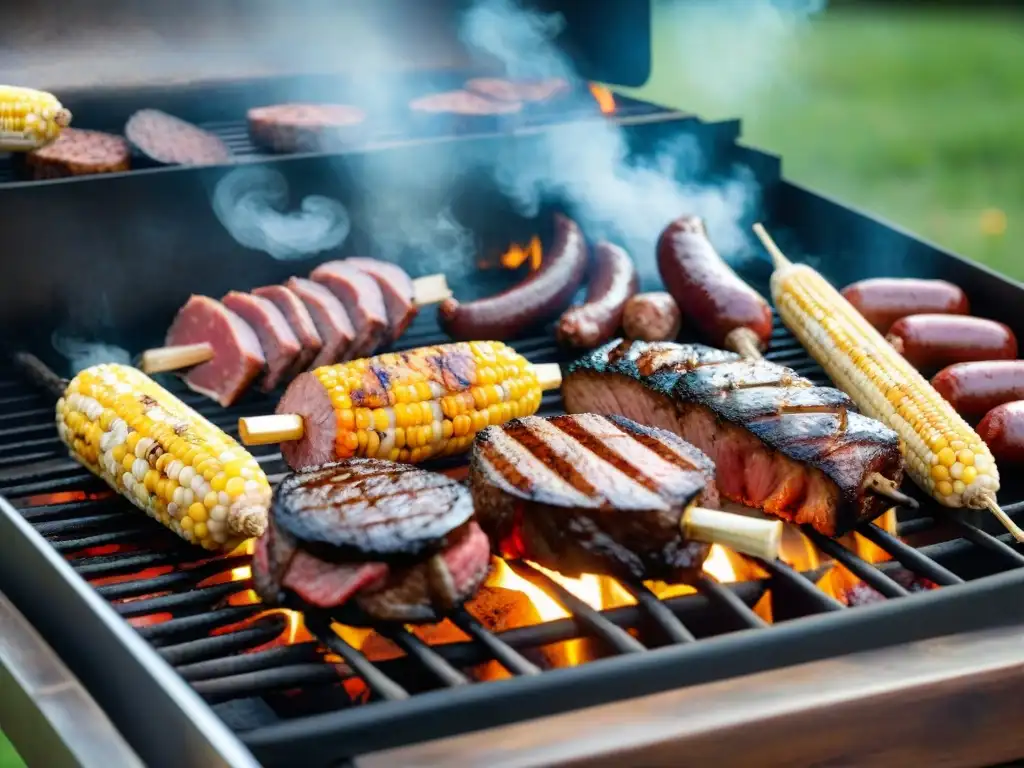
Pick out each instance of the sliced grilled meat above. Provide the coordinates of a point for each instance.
(371, 541)
(280, 345)
(397, 289)
(363, 302)
(591, 494)
(779, 443)
(301, 322)
(333, 324)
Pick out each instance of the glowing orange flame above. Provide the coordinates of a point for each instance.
(604, 98)
(517, 255)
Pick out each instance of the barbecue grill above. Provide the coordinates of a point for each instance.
(191, 671)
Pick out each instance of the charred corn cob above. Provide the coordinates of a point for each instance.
(406, 406)
(29, 119)
(943, 454)
(164, 457)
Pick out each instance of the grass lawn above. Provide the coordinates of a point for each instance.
(8, 757)
(916, 116)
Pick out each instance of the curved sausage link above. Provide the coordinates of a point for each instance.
(930, 342)
(613, 282)
(652, 317)
(1002, 429)
(973, 389)
(534, 301)
(727, 311)
(884, 300)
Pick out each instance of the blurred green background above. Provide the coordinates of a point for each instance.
(910, 111)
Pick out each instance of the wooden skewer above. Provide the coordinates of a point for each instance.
(431, 289)
(779, 259)
(993, 506)
(744, 342)
(883, 486)
(749, 535)
(287, 427)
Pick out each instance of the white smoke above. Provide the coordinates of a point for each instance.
(82, 354)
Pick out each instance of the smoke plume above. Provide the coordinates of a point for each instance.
(82, 354)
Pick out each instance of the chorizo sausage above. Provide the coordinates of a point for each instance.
(884, 300)
(613, 282)
(1002, 429)
(930, 342)
(973, 389)
(727, 311)
(652, 317)
(537, 299)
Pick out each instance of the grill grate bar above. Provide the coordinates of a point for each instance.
(669, 624)
(867, 573)
(59, 510)
(251, 662)
(110, 565)
(116, 537)
(60, 527)
(197, 598)
(382, 685)
(140, 587)
(265, 681)
(808, 590)
(988, 541)
(200, 622)
(426, 656)
(207, 648)
(726, 599)
(509, 658)
(910, 557)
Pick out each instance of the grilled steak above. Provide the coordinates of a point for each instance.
(371, 541)
(779, 443)
(78, 152)
(169, 140)
(363, 301)
(298, 317)
(331, 320)
(397, 290)
(237, 355)
(591, 494)
(518, 90)
(280, 345)
(304, 127)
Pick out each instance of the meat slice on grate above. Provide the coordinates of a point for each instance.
(169, 140)
(371, 541)
(332, 321)
(363, 301)
(397, 289)
(301, 322)
(237, 354)
(779, 443)
(280, 345)
(78, 152)
(518, 90)
(304, 127)
(591, 494)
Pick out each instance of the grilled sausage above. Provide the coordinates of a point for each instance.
(973, 389)
(613, 282)
(884, 300)
(1002, 429)
(652, 317)
(930, 342)
(534, 301)
(727, 311)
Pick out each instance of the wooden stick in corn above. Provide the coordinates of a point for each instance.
(164, 457)
(29, 119)
(436, 400)
(943, 454)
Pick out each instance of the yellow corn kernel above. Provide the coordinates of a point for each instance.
(29, 119)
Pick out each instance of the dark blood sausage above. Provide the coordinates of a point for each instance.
(727, 311)
(168, 140)
(652, 317)
(280, 345)
(237, 355)
(363, 302)
(518, 90)
(884, 300)
(397, 290)
(533, 302)
(613, 281)
(1002, 430)
(973, 389)
(930, 342)
(371, 541)
(304, 127)
(79, 153)
(330, 318)
(301, 322)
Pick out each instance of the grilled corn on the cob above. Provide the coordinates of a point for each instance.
(164, 457)
(943, 454)
(29, 119)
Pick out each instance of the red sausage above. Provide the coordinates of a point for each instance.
(930, 342)
(1002, 429)
(973, 389)
(727, 311)
(884, 300)
(534, 301)
(613, 282)
(652, 317)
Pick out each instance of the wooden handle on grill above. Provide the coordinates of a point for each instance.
(432, 289)
(749, 535)
(175, 358)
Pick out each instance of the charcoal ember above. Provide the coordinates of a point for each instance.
(78, 152)
(861, 594)
(287, 128)
(502, 89)
(167, 140)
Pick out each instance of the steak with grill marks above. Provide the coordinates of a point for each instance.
(371, 541)
(780, 444)
(591, 494)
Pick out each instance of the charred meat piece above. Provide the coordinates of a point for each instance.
(304, 127)
(280, 345)
(237, 354)
(79, 153)
(397, 289)
(463, 103)
(168, 140)
(779, 443)
(331, 320)
(518, 90)
(591, 494)
(363, 301)
(301, 322)
(371, 541)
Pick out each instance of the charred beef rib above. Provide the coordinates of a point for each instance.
(591, 494)
(371, 541)
(780, 444)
